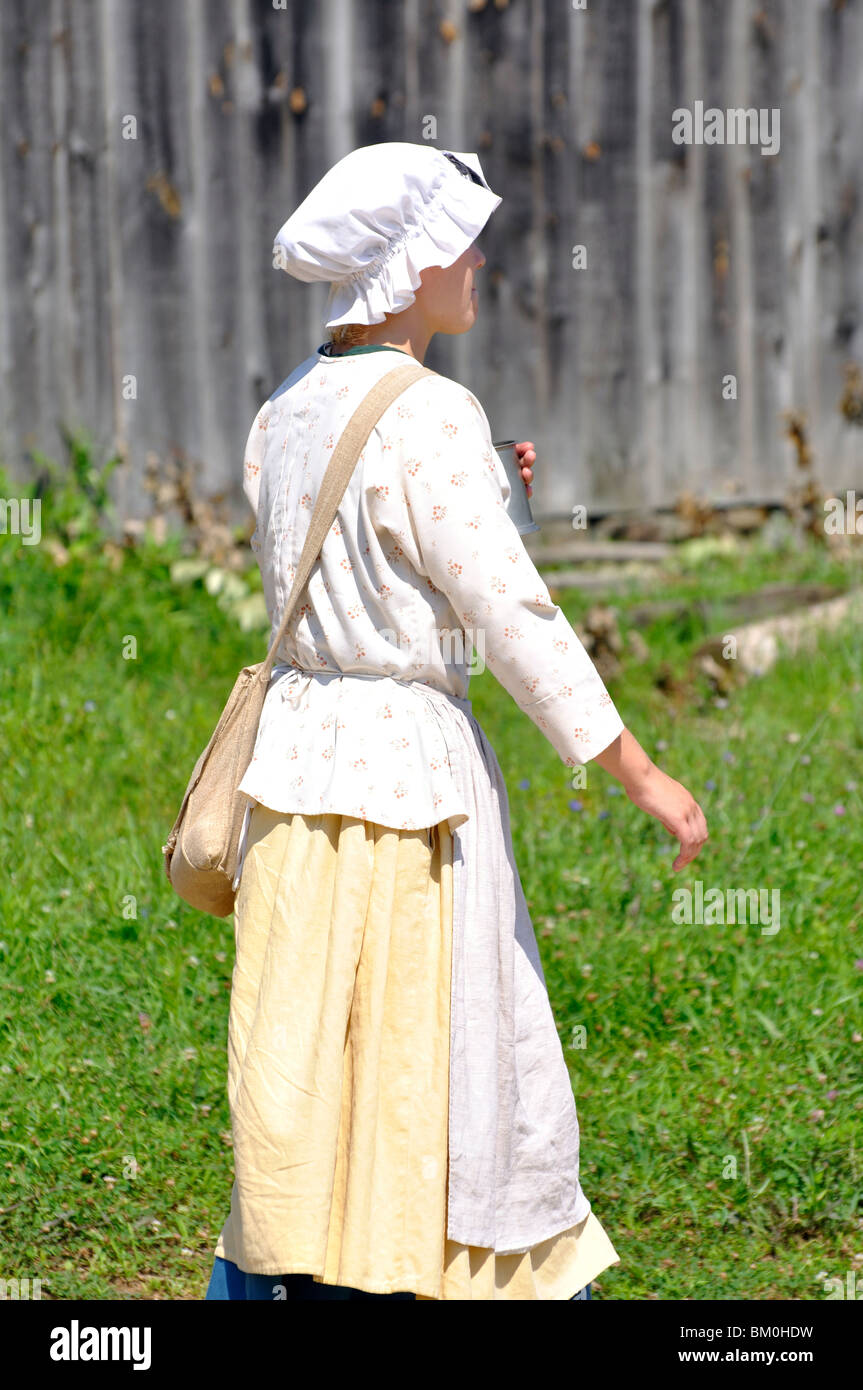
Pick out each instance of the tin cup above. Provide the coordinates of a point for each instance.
(518, 505)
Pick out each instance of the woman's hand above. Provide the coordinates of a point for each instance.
(653, 791)
(674, 807)
(526, 455)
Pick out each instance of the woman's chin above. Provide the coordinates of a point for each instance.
(464, 323)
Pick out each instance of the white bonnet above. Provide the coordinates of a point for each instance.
(379, 216)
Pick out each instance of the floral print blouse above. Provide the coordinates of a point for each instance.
(422, 579)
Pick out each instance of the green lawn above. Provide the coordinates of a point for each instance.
(709, 1049)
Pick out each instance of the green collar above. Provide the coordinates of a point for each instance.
(367, 347)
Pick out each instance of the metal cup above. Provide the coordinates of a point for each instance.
(518, 505)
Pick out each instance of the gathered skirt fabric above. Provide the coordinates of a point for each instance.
(338, 1070)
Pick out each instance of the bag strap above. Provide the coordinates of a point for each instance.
(335, 481)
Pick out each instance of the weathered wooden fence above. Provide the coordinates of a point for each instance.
(151, 151)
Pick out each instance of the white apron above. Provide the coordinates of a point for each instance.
(513, 1126)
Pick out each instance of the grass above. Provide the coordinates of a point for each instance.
(721, 1085)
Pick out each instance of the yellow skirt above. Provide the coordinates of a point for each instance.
(338, 1071)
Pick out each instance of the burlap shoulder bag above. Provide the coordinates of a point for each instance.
(202, 850)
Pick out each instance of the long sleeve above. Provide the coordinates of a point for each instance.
(454, 489)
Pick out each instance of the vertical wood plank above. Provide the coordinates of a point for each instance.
(152, 257)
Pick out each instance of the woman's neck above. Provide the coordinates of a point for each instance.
(407, 331)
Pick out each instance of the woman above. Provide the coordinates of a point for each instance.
(403, 1119)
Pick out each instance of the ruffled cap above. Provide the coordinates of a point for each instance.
(381, 215)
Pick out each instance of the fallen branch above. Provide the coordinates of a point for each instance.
(753, 649)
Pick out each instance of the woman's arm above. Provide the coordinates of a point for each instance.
(461, 536)
(625, 759)
(449, 515)
(253, 456)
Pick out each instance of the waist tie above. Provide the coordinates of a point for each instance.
(421, 687)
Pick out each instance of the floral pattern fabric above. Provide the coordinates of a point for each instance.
(422, 577)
